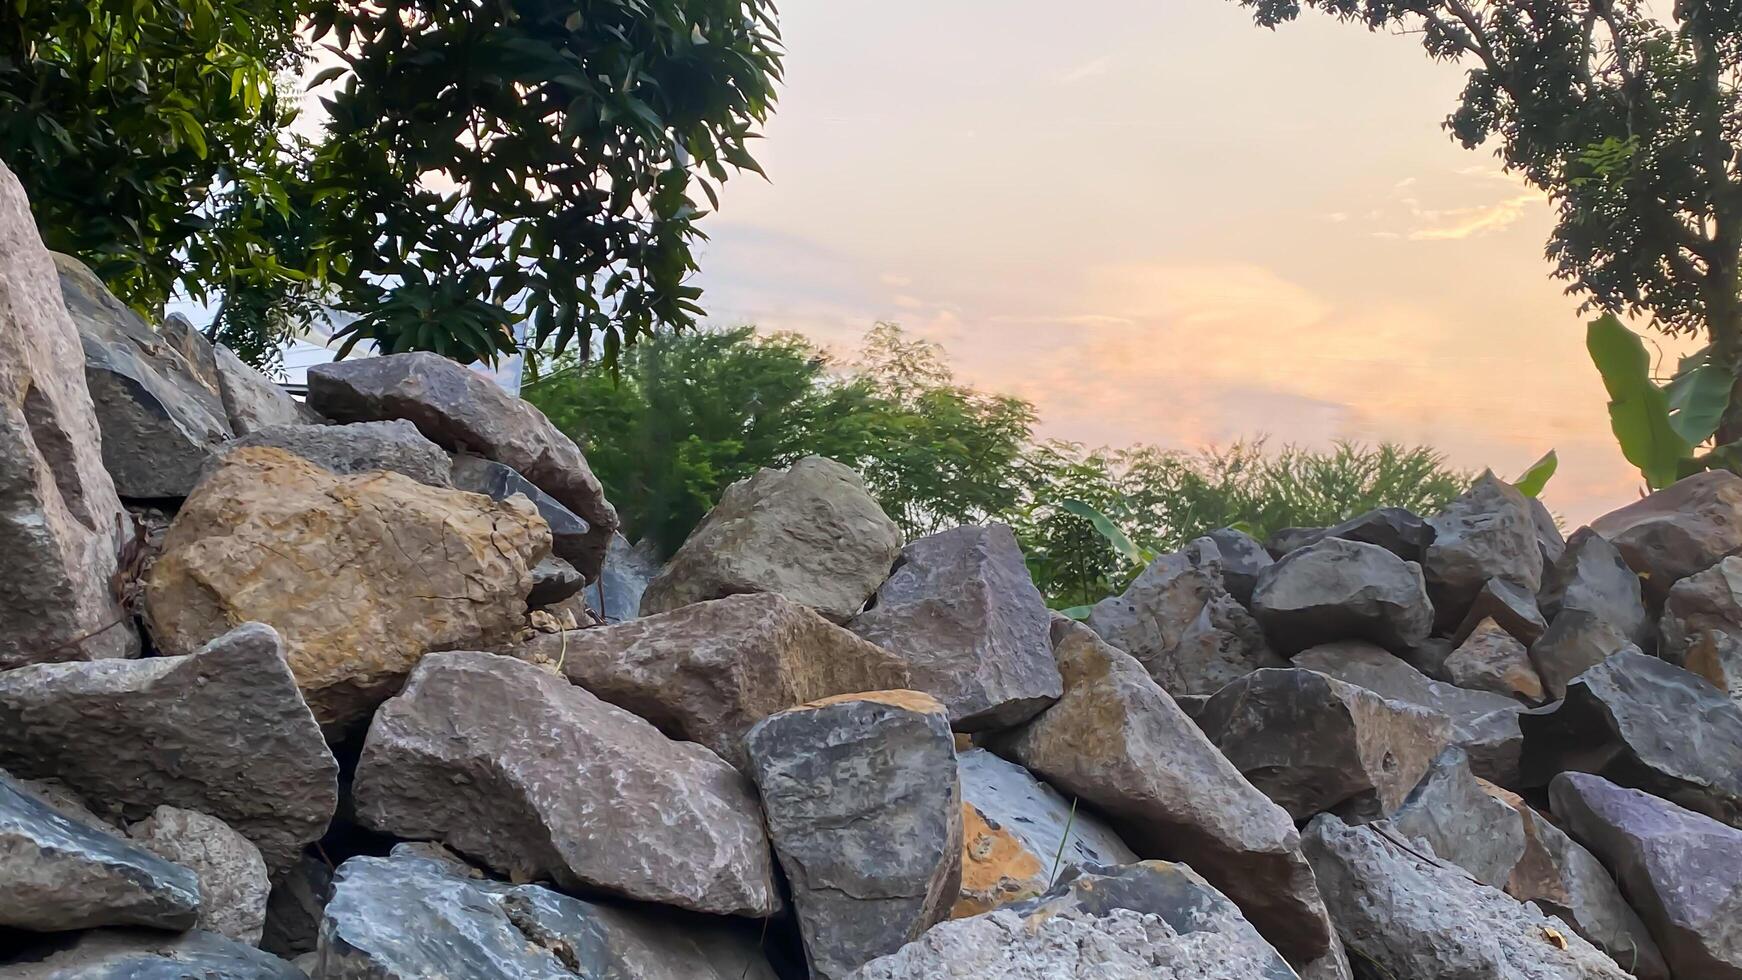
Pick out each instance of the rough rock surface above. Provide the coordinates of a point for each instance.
(1648, 725)
(140, 954)
(232, 875)
(865, 811)
(572, 538)
(1705, 602)
(708, 671)
(811, 533)
(960, 609)
(1592, 577)
(1491, 660)
(61, 525)
(1548, 535)
(223, 731)
(627, 572)
(1717, 657)
(1311, 742)
(1682, 871)
(460, 409)
(1677, 531)
(1176, 619)
(1013, 825)
(1339, 590)
(1117, 741)
(295, 907)
(564, 786)
(553, 580)
(58, 874)
(408, 917)
(361, 447)
(1575, 642)
(251, 401)
(1514, 609)
(1392, 528)
(1238, 555)
(361, 575)
(1485, 534)
(1413, 915)
(1462, 821)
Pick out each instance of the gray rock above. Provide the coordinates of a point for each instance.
(232, 875)
(459, 409)
(1487, 533)
(1645, 724)
(960, 609)
(627, 572)
(1285, 540)
(1176, 619)
(1013, 829)
(572, 538)
(1463, 823)
(1717, 657)
(1485, 725)
(1548, 535)
(251, 401)
(1575, 642)
(1491, 660)
(811, 533)
(1118, 742)
(1410, 914)
(1677, 531)
(408, 917)
(1508, 605)
(1592, 578)
(223, 731)
(140, 954)
(361, 447)
(186, 339)
(159, 424)
(61, 525)
(295, 907)
(553, 580)
(1682, 871)
(57, 874)
(865, 812)
(1342, 590)
(564, 786)
(1704, 602)
(1392, 528)
(1239, 556)
(1311, 742)
(708, 671)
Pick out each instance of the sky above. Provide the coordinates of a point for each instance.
(1164, 225)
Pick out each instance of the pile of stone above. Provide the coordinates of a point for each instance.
(308, 690)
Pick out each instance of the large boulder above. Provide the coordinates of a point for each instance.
(572, 538)
(1705, 602)
(1342, 590)
(1237, 555)
(58, 874)
(1682, 871)
(708, 671)
(251, 400)
(865, 811)
(358, 448)
(1182, 626)
(961, 611)
(137, 954)
(514, 766)
(1487, 533)
(1462, 821)
(1312, 743)
(1677, 531)
(1491, 659)
(1015, 829)
(222, 731)
(232, 875)
(1118, 742)
(361, 575)
(412, 917)
(460, 409)
(1413, 915)
(1575, 642)
(1648, 725)
(61, 524)
(1593, 578)
(811, 533)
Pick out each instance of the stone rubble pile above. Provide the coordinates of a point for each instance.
(372, 687)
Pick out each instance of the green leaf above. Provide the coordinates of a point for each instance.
(1106, 528)
(1638, 409)
(1697, 399)
(1078, 613)
(1531, 482)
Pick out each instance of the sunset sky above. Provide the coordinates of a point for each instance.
(1162, 224)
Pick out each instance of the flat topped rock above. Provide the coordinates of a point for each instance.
(360, 447)
(1341, 590)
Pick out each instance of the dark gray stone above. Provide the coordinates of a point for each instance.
(1239, 556)
(1490, 659)
(361, 447)
(1507, 604)
(295, 907)
(1342, 590)
(1487, 533)
(1548, 534)
(1592, 578)
(1575, 642)
(142, 954)
(572, 538)
(627, 572)
(1677, 531)
(1285, 540)
(553, 580)
(1392, 528)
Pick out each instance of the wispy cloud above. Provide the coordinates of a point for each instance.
(1459, 223)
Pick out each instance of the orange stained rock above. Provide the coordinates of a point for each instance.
(910, 700)
(997, 867)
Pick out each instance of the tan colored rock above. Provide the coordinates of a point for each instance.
(1491, 659)
(361, 575)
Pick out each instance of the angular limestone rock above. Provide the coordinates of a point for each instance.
(361, 575)
(553, 580)
(513, 766)
(1312, 743)
(1575, 642)
(1487, 533)
(1410, 914)
(1456, 815)
(1548, 536)
(232, 875)
(960, 609)
(1591, 577)
(1509, 606)
(361, 447)
(1239, 556)
(1682, 871)
(61, 525)
(708, 671)
(251, 400)
(1117, 741)
(1490, 659)
(58, 874)
(222, 731)
(1677, 531)
(139, 954)
(1342, 590)
(1705, 602)
(811, 533)
(460, 409)
(865, 812)
(572, 539)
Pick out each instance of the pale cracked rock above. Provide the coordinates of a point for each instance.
(140, 954)
(1341, 590)
(61, 524)
(1413, 915)
(232, 875)
(361, 575)
(561, 786)
(810, 532)
(708, 671)
(222, 731)
(462, 410)
(960, 609)
(1677, 531)
(1118, 741)
(865, 812)
(1488, 533)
